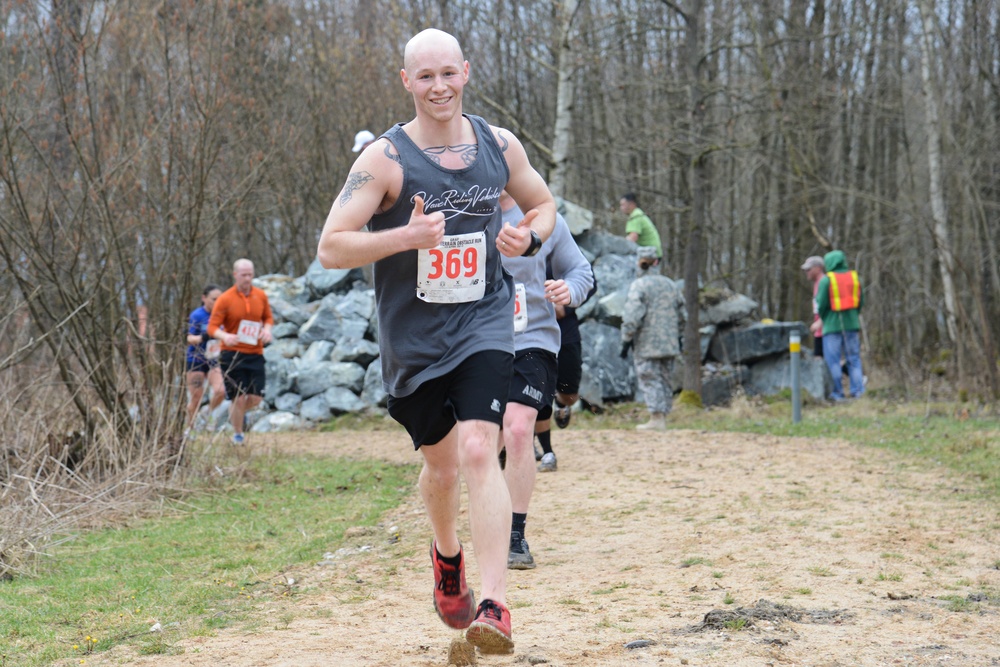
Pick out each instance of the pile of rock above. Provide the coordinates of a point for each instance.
(738, 349)
(324, 359)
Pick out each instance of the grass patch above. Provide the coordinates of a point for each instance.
(957, 603)
(206, 564)
(735, 624)
(614, 587)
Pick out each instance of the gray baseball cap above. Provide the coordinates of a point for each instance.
(810, 262)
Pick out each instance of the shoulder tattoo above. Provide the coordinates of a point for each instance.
(392, 154)
(502, 140)
(355, 181)
(467, 152)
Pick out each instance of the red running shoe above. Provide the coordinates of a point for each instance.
(490, 632)
(454, 602)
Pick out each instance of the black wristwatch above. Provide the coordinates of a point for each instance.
(535, 246)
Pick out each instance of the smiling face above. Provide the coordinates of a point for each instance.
(435, 74)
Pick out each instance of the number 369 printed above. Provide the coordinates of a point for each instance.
(453, 263)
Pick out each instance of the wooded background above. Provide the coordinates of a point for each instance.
(144, 146)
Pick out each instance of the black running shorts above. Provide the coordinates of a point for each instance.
(475, 390)
(242, 373)
(570, 368)
(533, 382)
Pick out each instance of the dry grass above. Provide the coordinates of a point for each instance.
(55, 480)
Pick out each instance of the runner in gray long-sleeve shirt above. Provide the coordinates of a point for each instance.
(536, 344)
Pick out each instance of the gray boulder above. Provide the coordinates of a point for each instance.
(322, 281)
(284, 311)
(589, 307)
(610, 308)
(759, 340)
(283, 348)
(706, 333)
(319, 377)
(281, 374)
(279, 421)
(329, 323)
(342, 400)
(613, 273)
(718, 384)
(315, 409)
(219, 417)
(333, 401)
(288, 402)
(285, 330)
(280, 287)
(361, 351)
(373, 392)
(590, 390)
(723, 306)
(319, 350)
(599, 243)
(770, 375)
(358, 303)
(601, 362)
(578, 219)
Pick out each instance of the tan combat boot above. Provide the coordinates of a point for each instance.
(657, 422)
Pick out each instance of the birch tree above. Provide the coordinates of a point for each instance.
(565, 97)
(942, 237)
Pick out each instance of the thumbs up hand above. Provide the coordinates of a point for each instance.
(426, 229)
(514, 241)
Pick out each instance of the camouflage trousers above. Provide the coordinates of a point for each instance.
(653, 376)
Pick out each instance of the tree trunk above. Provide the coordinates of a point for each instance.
(942, 242)
(697, 175)
(565, 93)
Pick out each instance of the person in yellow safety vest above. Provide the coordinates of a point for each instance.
(839, 298)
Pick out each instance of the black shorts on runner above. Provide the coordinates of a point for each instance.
(242, 373)
(570, 368)
(201, 365)
(533, 381)
(476, 389)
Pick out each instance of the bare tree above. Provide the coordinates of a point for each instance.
(565, 98)
(942, 238)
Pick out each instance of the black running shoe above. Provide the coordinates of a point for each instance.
(519, 556)
(562, 415)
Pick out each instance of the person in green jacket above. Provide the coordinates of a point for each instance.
(639, 228)
(839, 298)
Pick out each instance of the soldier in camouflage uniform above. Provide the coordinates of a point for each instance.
(651, 326)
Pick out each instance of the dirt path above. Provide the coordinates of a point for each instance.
(831, 555)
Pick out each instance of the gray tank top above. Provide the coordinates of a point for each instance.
(418, 340)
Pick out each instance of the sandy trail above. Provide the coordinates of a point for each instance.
(836, 555)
